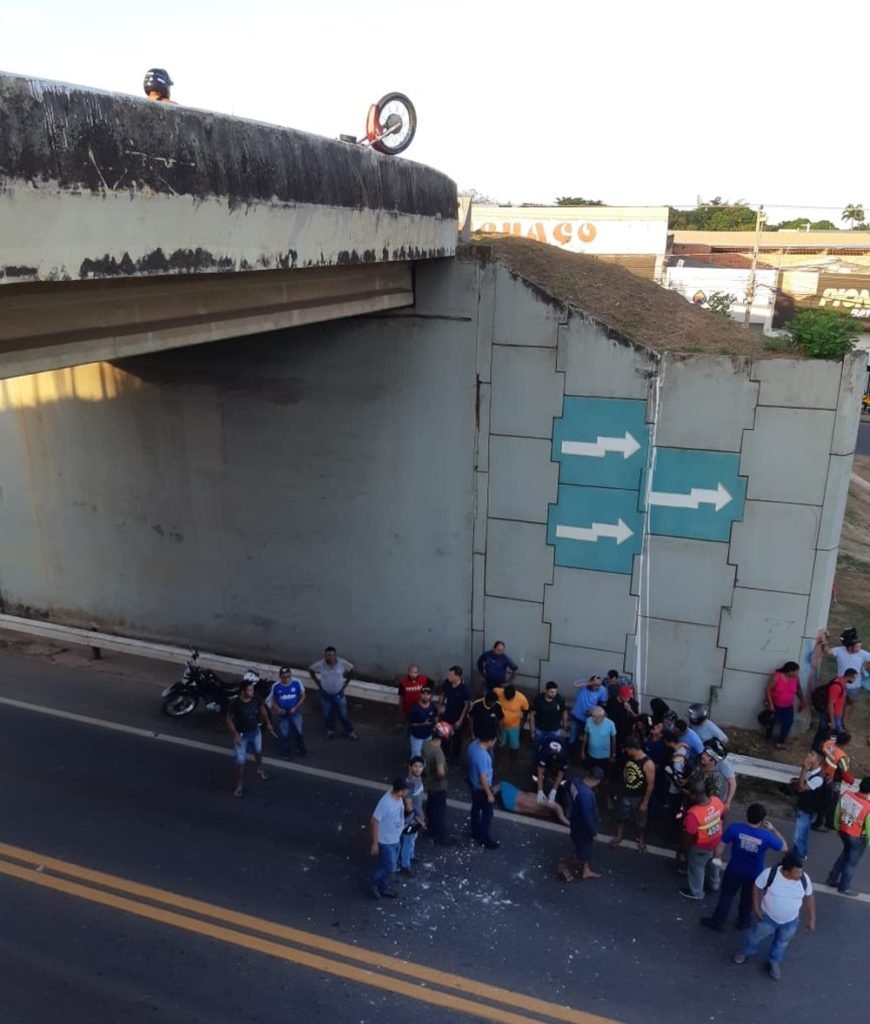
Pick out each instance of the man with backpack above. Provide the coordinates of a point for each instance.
(830, 702)
(852, 820)
(835, 765)
(778, 896)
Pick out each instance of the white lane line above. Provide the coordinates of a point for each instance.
(322, 773)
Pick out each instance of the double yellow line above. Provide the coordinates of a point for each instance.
(415, 981)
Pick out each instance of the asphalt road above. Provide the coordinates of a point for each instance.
(291, 856)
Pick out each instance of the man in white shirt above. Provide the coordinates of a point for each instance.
(850, 654)
(386, 826)
(778, 895)
(331, 675)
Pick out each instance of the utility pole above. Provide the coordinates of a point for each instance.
(750, 286)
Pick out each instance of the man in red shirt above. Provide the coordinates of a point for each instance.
(410, 687)
(702, 833)
(833, 717)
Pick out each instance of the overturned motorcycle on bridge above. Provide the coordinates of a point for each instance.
(203, 685)
(390, 125)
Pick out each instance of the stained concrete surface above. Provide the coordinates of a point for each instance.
(293, 851)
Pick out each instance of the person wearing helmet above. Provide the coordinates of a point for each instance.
(157, 85)
(551, 766)
(716, 773)
(699, 720)
(436, 782)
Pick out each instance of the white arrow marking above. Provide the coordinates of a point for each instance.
(697, 496)
(627, 445)
(619, 531)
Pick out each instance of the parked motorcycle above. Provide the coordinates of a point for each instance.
(204, 684)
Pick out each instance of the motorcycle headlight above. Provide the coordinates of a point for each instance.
(166, 692)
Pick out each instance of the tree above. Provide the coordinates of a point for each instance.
(824, 225)
(822, 333)
(715, 215)
(853, 213)
(720, 303)
(577, 201)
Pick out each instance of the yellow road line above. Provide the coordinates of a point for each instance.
(419, 973)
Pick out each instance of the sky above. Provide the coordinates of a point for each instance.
(628, 102)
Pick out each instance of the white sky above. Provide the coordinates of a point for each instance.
(633, 103)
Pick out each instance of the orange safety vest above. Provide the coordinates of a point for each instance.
(854, 808)
(833, 756)
(709, 819)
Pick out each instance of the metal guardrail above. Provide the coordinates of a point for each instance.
(177, 655)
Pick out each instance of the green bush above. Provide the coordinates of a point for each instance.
(822, 333)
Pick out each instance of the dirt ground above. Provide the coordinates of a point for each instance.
(850, 606)
(638, 309)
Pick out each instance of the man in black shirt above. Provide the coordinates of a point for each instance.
(244, 716)
(549, 715)
(486, 715)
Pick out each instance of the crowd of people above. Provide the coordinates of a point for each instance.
(599, 754)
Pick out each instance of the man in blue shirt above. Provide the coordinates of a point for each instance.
(495, 667)
(482, 795)
(285, 701)
(749, 844)
(421, 721)
(584, 827)
(590, 693)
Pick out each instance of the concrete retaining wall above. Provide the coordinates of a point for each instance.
(490, 465)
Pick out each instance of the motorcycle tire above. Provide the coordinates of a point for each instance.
(178, 705)
(395, 105)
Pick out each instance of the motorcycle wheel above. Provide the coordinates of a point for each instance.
(394, 114)
(179, 705)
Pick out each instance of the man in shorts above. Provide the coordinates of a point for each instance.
(584, 827)
(635, 790)
(515, 801)
(515, 707)
(245, 715)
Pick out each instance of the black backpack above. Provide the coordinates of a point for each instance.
(771, 875)
(820, 697)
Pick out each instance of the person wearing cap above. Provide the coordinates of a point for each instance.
(421, 719)
(549, 716)
(486, 716)
(584, 827)
(849, 653)
(285, 701)
(436, 782)
(386, 827)
(622, 711)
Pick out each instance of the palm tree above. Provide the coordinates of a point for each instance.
(854, 213)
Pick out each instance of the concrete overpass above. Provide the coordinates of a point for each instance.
(130, 226)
